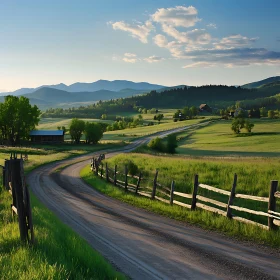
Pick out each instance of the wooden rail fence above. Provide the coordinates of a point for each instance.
(168, 194)
(14, 183)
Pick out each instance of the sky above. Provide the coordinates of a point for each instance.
(167, 42)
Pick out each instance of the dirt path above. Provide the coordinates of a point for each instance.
(144, 245)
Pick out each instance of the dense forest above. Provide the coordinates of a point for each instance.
(215, 96)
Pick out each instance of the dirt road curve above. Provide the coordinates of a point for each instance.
(144, 245)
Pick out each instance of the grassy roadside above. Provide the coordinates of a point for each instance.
(202, 218)
(59, 253)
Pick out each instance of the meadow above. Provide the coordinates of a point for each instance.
(218, 139)
(58, 253)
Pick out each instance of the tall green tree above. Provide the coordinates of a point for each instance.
(171, 143)
(17, 118)
(76, 130)
(93, 132)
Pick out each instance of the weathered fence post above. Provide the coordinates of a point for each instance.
(107, 172)
(172, 192)
(101, 171)
(115, 175)
(96, 167)
(18, 189)
(231, 196)
(154, 185)
(138, 183)
(125, 181)
(272, 203)
(194, 194)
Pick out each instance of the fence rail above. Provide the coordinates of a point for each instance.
(165, 194)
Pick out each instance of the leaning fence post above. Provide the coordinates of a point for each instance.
(154, 185)
(115, 175)
(125, 181)
(231, 196)
(138, 183)
(194, 194)
(172, 192)
(272, 203)
(107, 172)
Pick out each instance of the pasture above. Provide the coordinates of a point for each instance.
(217, 139)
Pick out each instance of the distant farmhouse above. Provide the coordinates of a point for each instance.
(205, 108)
(47, 136)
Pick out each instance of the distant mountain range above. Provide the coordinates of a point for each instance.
(117, 85)
(82, 94)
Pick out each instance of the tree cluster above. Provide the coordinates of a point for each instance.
(185, 113)
(17, 119)
(240, 123)
(93, 131)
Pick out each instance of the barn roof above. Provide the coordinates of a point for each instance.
(46, 133)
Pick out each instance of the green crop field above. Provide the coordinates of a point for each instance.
(217, 139)
(58, 253)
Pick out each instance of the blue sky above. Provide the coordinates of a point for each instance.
(164, 42)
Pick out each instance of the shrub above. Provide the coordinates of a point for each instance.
(171, 143)
(156, 144)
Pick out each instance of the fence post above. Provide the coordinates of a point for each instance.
(96, 167)
(107, 172)
(172, 192)
(272, 203)
(125, 181)
(101, 171)
(115, 175)
(194, 194)
(17, 187)
(154, 185)
(138, 183)
(231, 197)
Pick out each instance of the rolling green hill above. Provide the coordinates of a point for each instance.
(262, 82)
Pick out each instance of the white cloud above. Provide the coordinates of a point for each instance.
(152, 59)
(199, 64)
(160, 41)
(212, 25)
(195, 36)
(139, 31)
(130, 55)
(130, 60)
(234, 41)
(177, 16)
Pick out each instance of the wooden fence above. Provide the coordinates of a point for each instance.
(14, 182)
(169, 195)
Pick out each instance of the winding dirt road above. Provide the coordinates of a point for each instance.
(141, 244)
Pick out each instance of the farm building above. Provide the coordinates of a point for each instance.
(205, 108)
(47, 136)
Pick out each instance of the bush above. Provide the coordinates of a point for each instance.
(156, 144)
(171, 144)
(131, 167)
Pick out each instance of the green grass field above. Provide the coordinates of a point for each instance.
(58, 253)
(130, 134)
(217, 139)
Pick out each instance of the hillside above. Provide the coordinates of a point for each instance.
(262, 82)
